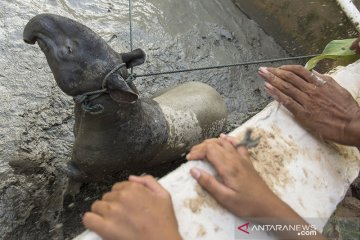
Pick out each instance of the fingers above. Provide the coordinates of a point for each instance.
(101, 208)
(112, 196)
(150, 183)
(283, 83)
(227, 145)
(296, 76)
(123, 191)
(98, 224)
(243, 151)
(219, 153)
(210, 184)
(119, 186)
(293, 106)
(312, 77)
(198, 152)
(92, 220)
(95, 223)
(214, 153)
(232, 140)
(303, 73)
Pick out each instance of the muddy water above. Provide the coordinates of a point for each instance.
(36, 118)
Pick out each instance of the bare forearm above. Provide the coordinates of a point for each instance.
(352, 132)
(279, 213)
(257, 204)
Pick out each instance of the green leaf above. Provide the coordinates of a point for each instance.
(338, 50)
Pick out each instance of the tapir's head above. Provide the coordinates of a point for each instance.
(79, 58)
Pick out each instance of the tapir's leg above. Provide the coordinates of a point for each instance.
(74, 172)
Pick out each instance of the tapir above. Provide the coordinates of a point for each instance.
(115, 129)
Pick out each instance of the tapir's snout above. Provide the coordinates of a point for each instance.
(77, 56)
(29, 33)
(39, 24)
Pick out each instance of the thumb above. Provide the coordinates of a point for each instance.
(210, 184)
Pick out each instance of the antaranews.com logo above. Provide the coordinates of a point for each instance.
(252, 231)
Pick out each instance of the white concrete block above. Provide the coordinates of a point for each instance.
(308, 174)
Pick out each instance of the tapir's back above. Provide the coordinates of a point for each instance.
(199, 98)
(194, 111)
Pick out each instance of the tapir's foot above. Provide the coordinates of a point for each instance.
(74, 172)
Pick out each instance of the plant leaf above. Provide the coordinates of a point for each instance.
(338, 50)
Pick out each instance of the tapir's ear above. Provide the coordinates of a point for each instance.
(119, 90)
(134, 58)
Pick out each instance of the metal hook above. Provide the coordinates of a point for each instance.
(248, 142)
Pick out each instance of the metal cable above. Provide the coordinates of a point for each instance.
(134, 75)
(227, 65)
(131, 31)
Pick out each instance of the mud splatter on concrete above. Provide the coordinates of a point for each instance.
(203, 200)
(272, 155)
(201, 231)
(345, 152)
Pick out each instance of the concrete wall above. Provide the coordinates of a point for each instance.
(300, 27)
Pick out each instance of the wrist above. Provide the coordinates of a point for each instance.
(279, 212)
(266, 206)
(352, 131)
(172, 234)
(176, 236)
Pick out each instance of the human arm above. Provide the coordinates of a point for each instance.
(239, 188)
(317, 101)
(137, 209)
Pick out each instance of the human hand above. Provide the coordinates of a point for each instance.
(239, 187)
(356, 46)
(317, 101)
(138, 209)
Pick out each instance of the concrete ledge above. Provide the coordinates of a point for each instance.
(351, 12)
(308, 174)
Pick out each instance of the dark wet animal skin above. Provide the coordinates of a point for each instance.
(130, 133)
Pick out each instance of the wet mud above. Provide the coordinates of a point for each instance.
(37, 201)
